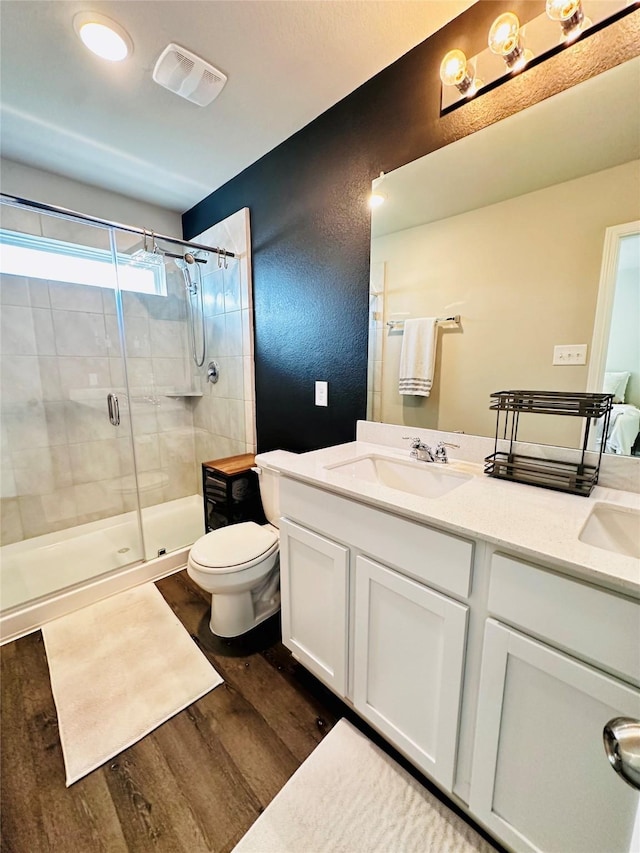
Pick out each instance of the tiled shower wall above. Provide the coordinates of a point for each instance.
(63, 463)
(224, 417)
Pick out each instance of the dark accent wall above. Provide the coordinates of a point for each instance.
(310, 222)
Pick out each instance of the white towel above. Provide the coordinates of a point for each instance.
(418, 356)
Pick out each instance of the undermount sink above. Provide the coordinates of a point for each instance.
(425, 479)
(613, 528)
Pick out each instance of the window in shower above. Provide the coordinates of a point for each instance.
(55, 260)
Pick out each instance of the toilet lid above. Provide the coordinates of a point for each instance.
(233, 545)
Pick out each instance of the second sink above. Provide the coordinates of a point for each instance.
(614, 528)
(425, 479)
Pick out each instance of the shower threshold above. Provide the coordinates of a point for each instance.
(46, 565)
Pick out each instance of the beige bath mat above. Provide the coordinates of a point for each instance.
(350, 797)
(120, 668)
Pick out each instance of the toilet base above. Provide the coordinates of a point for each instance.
(234, 614)
(234, 618)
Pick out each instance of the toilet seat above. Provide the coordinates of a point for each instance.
(233, 548)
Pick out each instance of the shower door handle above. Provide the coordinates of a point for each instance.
(114, 409)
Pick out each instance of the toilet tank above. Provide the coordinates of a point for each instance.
(269, 480)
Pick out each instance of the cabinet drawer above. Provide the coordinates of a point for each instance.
(428, 555)
(598, 626)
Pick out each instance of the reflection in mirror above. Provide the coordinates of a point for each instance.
(506, 228)
(615, 350)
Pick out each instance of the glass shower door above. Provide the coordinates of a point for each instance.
(69, 505)
(163, 391)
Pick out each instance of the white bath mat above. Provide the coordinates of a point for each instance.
(120, 668)
(350, 797)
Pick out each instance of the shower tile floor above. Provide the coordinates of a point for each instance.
(46, 564)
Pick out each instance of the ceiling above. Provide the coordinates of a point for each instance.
(66, 111)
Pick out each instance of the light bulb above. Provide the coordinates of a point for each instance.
(455, 71)
(505, 41)
(560, 10)
(570, 16)
(453, 68)
(102, 36)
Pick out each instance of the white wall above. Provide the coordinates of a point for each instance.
(36, 185)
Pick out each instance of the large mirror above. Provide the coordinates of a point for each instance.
(516, 229)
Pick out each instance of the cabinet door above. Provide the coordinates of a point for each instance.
(541, 780)
(409, 654)
(313, 580)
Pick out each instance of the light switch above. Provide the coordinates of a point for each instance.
(570, 354)
(322, 393)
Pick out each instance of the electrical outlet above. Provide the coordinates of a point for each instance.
(570, 354)
(322, 393)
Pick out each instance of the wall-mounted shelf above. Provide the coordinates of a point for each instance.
(577, 478)
(182, 394)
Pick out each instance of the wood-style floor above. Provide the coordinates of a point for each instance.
(196, 783)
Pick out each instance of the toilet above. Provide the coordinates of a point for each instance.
(240, 565)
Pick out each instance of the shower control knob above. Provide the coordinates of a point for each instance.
(213, 372)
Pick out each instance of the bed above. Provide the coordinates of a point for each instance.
(624, 426)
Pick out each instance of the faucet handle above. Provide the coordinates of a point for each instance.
(415, 441)
(440, 451)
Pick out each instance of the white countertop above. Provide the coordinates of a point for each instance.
(538, 524)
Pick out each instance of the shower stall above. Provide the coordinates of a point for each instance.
(105, 408)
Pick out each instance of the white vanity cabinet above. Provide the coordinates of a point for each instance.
(369, 610)
(541, 780)
(408, 663)
(498, 689)
(313, 580)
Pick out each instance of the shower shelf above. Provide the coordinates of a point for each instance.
(183, 394)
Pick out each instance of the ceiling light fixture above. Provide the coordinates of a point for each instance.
(102, 36)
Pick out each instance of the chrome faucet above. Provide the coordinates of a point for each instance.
(420, 450)
(423, 453)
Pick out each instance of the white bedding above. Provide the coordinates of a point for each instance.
(624, 426)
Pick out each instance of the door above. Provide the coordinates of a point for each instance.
(313, 582)
(66, 449)
(540, 778)
(408, 665)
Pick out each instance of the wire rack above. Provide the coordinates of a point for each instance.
(577, 478)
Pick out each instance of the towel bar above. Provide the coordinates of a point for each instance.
(395, 324)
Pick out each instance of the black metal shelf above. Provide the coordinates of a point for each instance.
(576, 478)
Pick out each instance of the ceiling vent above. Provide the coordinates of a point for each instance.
(189, 76)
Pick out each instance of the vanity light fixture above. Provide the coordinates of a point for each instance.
(570, 15)
(559, 24)
(102, 36)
